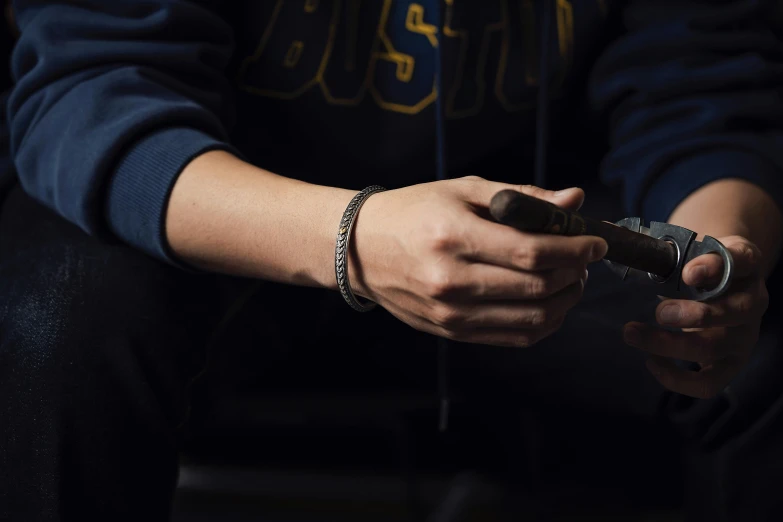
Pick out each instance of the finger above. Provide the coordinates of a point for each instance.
(541, 314)
(696, 346)
(708, 269)
(571, 198)
(479, 191)
(494, 283)
(496, 244)
(704, 384)
(705, 271)
(744, 306)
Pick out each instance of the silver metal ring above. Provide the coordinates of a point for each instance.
(343, 243)
(672, 241)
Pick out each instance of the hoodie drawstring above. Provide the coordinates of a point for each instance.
(542, 114)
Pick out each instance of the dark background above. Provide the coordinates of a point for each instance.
(6, 43)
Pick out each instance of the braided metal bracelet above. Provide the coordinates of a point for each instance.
(341, 250)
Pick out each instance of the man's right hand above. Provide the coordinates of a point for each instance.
(430, 255)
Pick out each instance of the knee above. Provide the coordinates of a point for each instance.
(60, 307)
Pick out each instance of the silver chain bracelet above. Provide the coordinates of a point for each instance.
(343, 243)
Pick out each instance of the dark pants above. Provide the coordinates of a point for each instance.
(99, 347)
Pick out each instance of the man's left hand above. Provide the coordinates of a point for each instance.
(719, 336)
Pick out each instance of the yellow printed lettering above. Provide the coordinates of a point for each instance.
(293, 54)
(311, 6)
(287, 70)
(520, 30)
(565, 37)
(396, 86)
(348, 74)
(414, 22)
(467, 80)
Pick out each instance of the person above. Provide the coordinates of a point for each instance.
(170, 152)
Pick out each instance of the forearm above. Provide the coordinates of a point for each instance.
(734, 207)
(228, 216)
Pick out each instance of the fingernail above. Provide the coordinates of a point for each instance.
(632, 335)
(598, 251)
(699, 273)
(564, 192)
(587, 275)
(671, 314)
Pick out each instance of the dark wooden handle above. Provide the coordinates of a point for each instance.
(626, 247)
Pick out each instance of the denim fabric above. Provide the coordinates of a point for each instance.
(97, 345)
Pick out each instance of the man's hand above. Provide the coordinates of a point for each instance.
(430, 255)
(719, 335)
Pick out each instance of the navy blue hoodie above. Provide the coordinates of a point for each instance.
(6, 44)
(114, 97)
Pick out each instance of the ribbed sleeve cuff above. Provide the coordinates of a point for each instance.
(688, 175)
(138, 192)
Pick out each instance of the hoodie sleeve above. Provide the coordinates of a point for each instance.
(692, 94)
(112, 99)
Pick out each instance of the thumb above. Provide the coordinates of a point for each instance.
(570, 199)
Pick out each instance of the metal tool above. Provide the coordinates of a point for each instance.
(652, 256)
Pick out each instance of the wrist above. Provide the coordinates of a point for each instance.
(323, 268)
(733, 207)
(228, 216)
(359, 258)
(360, 254)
